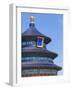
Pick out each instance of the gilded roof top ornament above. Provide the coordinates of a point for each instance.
(32, 19)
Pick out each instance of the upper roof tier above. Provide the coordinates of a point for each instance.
(31, 33)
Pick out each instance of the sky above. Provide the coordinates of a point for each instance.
(50, 25)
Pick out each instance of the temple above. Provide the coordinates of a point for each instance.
(36, 60)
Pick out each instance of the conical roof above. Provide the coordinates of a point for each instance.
(31, 33)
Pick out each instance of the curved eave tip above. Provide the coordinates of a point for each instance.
(47, 40)
(54, 55)
(59, 68)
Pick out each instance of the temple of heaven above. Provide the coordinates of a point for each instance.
(36, 60)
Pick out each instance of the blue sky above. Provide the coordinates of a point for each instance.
(50, 25)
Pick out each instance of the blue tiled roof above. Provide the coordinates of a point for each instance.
(33, 32)
(41, 65)
(38, 52)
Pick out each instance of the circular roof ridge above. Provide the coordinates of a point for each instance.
(41, 66)
(40, 52)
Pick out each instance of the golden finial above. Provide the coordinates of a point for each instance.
(32, 19)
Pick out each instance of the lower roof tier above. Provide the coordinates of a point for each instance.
(40, 66)
(38, 52)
